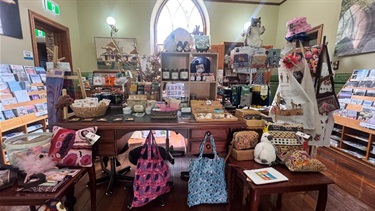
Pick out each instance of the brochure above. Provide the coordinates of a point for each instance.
(265, 176)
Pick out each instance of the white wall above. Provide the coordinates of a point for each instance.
(11, 49)
(321, 12)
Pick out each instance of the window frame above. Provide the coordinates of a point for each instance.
(159, 5)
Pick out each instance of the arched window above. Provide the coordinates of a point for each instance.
(169, 15)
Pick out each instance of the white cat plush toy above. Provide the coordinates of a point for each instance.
(265, 152)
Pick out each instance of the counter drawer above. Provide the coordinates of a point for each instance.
(106, 136)
(221, 147)
(217, 133)
(105, 148)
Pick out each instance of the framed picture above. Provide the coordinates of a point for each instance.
(10, 21)
(116, 53)
(356, 28)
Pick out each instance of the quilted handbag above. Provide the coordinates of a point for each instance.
(206, 178)
(245, 139)
(151, 175)
(300, 161)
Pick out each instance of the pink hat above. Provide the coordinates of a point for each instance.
(296, 26)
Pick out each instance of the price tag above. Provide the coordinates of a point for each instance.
(264, 90)
(92, 137)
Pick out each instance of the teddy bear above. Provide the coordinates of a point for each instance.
(265, 152)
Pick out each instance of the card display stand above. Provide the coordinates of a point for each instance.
(354, 130)
(22, 123)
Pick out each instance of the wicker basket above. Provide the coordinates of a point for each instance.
(85, 112)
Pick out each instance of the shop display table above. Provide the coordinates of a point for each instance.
(11, 197)
(110, 130)
(298, 181)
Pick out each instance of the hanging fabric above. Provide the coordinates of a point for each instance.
(295, 102)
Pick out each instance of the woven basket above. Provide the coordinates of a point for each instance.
(155, 114)
(85, 112)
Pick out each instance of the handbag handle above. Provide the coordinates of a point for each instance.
(150, 145)
(204, 142)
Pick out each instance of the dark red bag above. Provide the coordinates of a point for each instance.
(151, 175)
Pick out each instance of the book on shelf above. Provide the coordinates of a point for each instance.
(40, 107)
(352, 84)
(2, 118)
(4, 68)
(9, 101)
(4, 89)
(17, 68)
(366, 84)
(34, 97)
(14, 86)
(367, 117)
(21, 76)
(9, 114)
(7, 77)
(40, 88)
(360, 74)
(35, 78)
(371, 74)
(30, 109)
(265, 176)
(21, 96)
(367, 103)
(356, 102)
(43, 95)
(40, 70)
(370, 93)
(359, 92)
(20, 111)
(29, 69)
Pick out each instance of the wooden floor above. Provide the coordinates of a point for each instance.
(354, 190)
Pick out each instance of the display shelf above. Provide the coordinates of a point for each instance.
(182, 60)
(31, 102)
(20, 123)
(357, 110)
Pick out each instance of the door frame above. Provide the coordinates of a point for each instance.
(61, 36)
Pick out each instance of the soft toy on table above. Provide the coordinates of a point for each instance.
(265, 152)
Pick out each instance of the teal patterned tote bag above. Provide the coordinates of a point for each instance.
(206, 178)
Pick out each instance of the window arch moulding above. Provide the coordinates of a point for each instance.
(163, 11)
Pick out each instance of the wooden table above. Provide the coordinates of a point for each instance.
(298, 181)
(10, 197)
(194, 131)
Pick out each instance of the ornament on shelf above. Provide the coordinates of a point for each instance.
(252, 33)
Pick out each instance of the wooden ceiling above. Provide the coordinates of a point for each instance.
(266, 2)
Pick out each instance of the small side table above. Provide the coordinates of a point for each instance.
(297, 182)
(10, 197)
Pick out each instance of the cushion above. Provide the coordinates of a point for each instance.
(301, 161)
(70, 147)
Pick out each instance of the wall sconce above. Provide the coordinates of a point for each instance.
(111, 22)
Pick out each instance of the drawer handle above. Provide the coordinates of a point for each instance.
(208, 146)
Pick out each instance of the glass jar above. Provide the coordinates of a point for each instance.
(174, 74)
(184, 74)
(166, 75)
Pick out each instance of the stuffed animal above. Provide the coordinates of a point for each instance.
(265, 152)
(253, 32)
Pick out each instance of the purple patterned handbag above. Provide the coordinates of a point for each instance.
(151, 175)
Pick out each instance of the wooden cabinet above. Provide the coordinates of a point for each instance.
(202, 89)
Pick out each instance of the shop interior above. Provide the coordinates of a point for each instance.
(225, 104)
